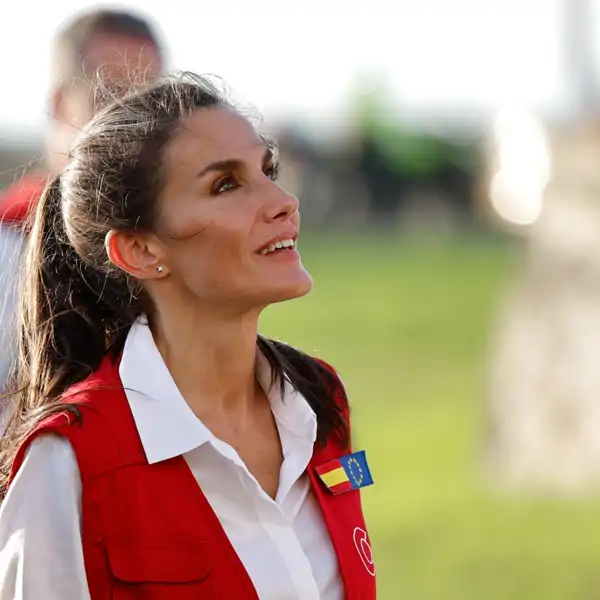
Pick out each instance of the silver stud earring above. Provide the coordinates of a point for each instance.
(160, 269)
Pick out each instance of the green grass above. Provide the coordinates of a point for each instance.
(407, 326)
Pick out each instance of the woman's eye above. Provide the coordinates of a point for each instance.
(273, 171)
(224, 184)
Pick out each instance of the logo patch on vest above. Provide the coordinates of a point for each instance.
(347, 473)
(363, 547)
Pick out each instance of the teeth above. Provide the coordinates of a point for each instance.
(280, 244)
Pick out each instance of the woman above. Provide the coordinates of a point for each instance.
(161, 448)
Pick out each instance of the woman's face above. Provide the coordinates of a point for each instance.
(227, 228)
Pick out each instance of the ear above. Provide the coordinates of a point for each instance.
(57, 103)
(136, 254)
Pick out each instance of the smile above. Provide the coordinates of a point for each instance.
(280, 245)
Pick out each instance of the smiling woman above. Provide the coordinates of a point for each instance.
(159, 447)
(220, 207)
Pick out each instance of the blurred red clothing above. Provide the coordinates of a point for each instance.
(19, 200)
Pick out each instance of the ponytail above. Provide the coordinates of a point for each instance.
(70, 315)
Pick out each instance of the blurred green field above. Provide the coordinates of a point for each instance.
(407, 325)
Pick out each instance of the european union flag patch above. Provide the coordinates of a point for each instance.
(350, 472)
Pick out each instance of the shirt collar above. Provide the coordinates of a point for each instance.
(291, 410)
(166, 424)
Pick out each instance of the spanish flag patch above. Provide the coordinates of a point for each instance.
(347, 473)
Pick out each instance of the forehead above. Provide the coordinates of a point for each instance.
(213, 134)
(120, 58)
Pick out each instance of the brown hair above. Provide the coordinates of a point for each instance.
(76, 306)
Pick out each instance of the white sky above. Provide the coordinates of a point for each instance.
(302, 56)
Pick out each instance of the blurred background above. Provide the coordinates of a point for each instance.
(447, 158)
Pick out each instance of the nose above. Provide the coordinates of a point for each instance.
(282, 205)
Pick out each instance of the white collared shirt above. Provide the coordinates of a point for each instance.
(283, 543)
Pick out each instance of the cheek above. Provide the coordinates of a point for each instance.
(221, 222)
(183, 223)
(210, 242)
(211, 255)
(192, 215)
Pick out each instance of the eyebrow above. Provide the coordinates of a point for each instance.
(230, 164)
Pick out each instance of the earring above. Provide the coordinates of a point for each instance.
(160, 269)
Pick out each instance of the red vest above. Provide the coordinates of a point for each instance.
(149, 533)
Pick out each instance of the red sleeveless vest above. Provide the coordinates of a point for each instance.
(148, 532)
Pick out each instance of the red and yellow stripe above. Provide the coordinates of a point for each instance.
(334, 476)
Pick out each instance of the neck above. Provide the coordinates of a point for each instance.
(211, 358)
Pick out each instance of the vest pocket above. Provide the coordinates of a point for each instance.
(153, 571)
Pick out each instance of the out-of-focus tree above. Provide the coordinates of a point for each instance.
(403, 168)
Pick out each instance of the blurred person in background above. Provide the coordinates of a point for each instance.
(11, 248)
(92, 54)
(160, 447)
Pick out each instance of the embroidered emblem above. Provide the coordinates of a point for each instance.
(363, 547)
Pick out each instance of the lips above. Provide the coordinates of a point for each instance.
(279, 245)
(286, 240)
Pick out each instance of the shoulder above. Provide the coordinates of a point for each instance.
(89, 416)
(50, 453)
(49, 470)
(44, 449)
(97, 399)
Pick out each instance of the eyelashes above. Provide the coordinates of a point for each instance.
(273, 171)
(230, 181)
(226, 183)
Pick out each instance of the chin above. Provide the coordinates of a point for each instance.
(294, 290)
